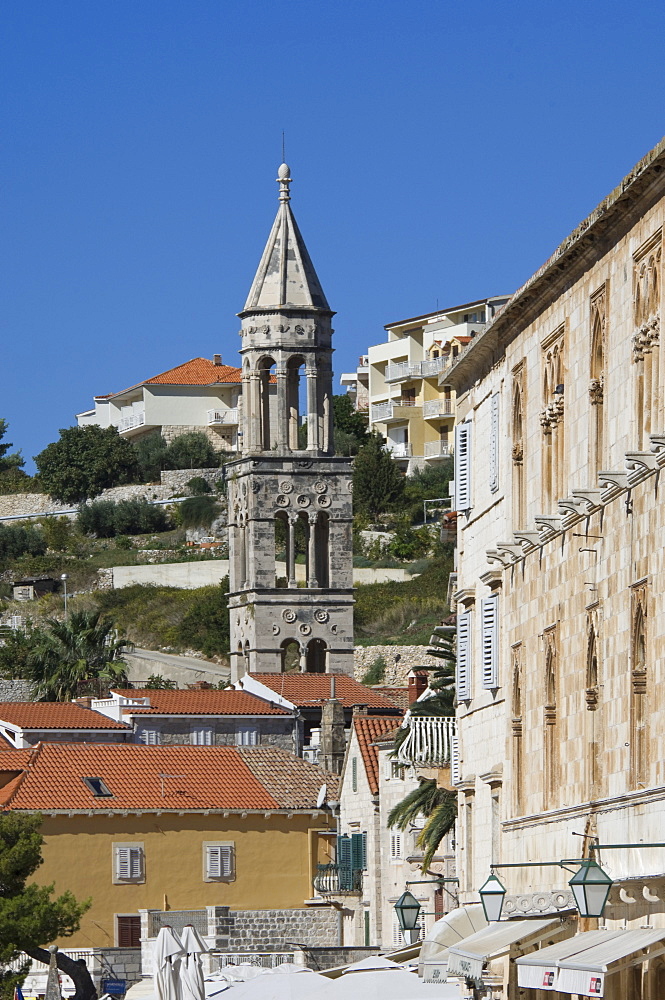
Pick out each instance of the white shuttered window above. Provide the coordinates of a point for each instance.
(128, 863)
(463, 466)
(490, 641)
(463, 668)
(218, 861)
(494, 443)
(395, 846)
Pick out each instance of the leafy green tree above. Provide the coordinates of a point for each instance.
(105, 519)
(199, 512)
(191, 451)
(378, 485)
(14, 652)
(198, 486)
(349, 426)
(85, 461)
(57, 533)
(30, 916)
(158, 683)
(20, 539)
(71, 656)
(150, 453)
(13, 460)
(430, 483)
(206, 624)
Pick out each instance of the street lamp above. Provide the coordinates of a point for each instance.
(591, 887)
(492, 895)
(407, 909)
(64, 583)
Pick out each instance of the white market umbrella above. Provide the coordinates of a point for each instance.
(287, 986)
(285, 967)
(395, 984)
(374, 963)
(191, 968)
(166, 958)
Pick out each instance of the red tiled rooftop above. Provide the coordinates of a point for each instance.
(368, 729)
(54, 715)
(228, 702)
(198, 371)
(306, 690)
(162, 778)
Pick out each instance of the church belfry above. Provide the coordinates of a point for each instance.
(289, 497)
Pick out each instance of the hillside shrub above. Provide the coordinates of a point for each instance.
(20, 539)
(105, 519)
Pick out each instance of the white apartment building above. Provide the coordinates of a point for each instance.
(199, 395)
(407, 405)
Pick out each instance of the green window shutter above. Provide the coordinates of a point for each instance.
(358, 851)
(344, 862)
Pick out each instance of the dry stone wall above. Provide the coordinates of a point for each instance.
(276, 930)
(399, 661)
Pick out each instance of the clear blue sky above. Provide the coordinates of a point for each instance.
(440, 151)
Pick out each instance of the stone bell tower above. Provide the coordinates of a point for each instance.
(289, 497)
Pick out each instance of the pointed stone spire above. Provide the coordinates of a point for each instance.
(286, 275)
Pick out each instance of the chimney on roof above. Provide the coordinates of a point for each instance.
(217, 359)
(418, 681)
(333, 736)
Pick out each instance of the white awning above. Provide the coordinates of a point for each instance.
(585, 973)
(539, 970)
(467, 958)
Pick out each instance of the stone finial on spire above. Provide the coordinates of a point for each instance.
(284, 179)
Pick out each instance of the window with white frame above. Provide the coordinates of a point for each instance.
(395, 846)
(247, 736)
(490, 641)
(150, 735)
(218, 861)
(202, 736)
(128, 863)
(396, 770)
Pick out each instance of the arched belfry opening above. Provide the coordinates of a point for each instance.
(290, 502)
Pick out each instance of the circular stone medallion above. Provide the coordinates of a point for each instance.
(282, 501)
(304, 629)
(320, 487)
(286, 487)
(303, 501)
(324, 500)
(289, 615)
(321, 615)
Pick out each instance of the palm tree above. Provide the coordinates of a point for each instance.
(437, 805)
(69, 656)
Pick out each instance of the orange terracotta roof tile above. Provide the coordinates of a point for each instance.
(368, 729)
(162, 778)
(291, 780)
(306, 690)
(398, 695)
(54, 715)
(198, 371)
(15, 759)
(228, 702)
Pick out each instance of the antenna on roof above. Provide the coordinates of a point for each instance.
(283, 148)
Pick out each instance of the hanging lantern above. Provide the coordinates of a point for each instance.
(492, 895)
(407, 909)
(591, 887)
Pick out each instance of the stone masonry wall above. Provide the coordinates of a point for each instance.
(272, 732)
(176, 479)
(399, 661)
(15, 690)
(277, 930)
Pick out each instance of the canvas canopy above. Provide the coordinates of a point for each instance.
(586, 972)
(467, 958)
(539, 970)
(450, 930)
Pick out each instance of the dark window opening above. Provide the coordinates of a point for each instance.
(98, 788)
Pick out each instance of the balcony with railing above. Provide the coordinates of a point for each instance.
(333, 879)
(402, 370)
(437, 449)
(396, 409)
(438, 408)
(132, 422)
(434, 366)
(431, 741)
(400, 450)
(223, 417)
